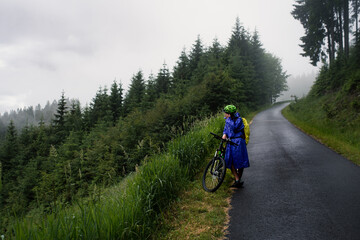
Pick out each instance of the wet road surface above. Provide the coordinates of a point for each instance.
(295, 188)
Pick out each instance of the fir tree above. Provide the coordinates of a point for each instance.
(74, 117)
(195, 55)
(10, 149)
(163, 80)
(59, 121)
(181, 74)
(135, 95)
(116, 101)
(151, 93)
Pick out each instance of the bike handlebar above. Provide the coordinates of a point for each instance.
(226, 140)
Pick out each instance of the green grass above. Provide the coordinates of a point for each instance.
(133, 208)
(332, 124)
(164, 199)
(198, 214)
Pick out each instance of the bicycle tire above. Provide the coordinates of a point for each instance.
(214, 174)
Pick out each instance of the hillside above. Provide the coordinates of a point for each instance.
(331, 111)
(47, 167)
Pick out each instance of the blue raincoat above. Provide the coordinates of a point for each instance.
(236, 155)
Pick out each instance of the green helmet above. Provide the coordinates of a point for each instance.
(230, 109)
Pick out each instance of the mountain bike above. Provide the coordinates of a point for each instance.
(215, 171)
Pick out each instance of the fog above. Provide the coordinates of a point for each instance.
(47, 47)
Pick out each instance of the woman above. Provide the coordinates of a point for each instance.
(236, 156)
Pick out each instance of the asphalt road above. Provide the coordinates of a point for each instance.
(295, 188)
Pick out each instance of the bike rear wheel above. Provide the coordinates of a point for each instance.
(214, 174)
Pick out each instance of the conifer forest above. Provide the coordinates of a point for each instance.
(58, 159)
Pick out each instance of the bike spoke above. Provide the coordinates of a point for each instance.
(214, 175)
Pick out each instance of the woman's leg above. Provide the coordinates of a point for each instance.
(240, 172)
(233, 170)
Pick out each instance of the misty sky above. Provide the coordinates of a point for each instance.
(76, 46)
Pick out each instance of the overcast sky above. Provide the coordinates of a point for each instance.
(76, 46)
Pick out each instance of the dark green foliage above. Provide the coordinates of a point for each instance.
(341, 75)
(74, 121)
(181, 74)
(60, 131)
(219, 89)
(163, 81)
(135, 95)
(116, 101)
(326, 23)
(100, 109)
(10, 149)
(195, 55)
(151, 93)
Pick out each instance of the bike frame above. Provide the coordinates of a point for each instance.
(221, 149)
(215, 171)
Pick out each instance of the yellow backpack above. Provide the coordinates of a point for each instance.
(246, 130)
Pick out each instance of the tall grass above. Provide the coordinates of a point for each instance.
(132, 209)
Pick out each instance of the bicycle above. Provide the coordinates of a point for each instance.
(215, 170)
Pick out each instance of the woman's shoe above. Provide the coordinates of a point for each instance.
(237, 184)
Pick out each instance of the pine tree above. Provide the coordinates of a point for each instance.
(10, 150)
(163, 80)
(181, 74)
(257, 56)
(59, 121)
(239, 41)
(74, 117)
(195, 56)
(116, 101)
(325, 23)
(276, 76)
(135, 95)
(100, 107)
(151, 93)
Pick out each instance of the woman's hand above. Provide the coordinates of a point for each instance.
(224, 136)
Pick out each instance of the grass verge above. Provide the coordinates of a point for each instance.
(197, 214)
(339, 131)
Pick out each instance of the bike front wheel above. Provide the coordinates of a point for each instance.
(214, 174)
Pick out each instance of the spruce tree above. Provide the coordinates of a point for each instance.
(74, 120)
(195, 55)
(61, 111)
(261, 83)
(135, 95)
(10, 149)
(151, 93)
(239, 43)
(100, 107)
(59, 121)
(116, 101)
(181, 74)
(163, 80)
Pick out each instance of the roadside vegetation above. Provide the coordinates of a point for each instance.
(197, 214)
(341, 133)
(130, 209)
(331, 111)
(74, 178)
